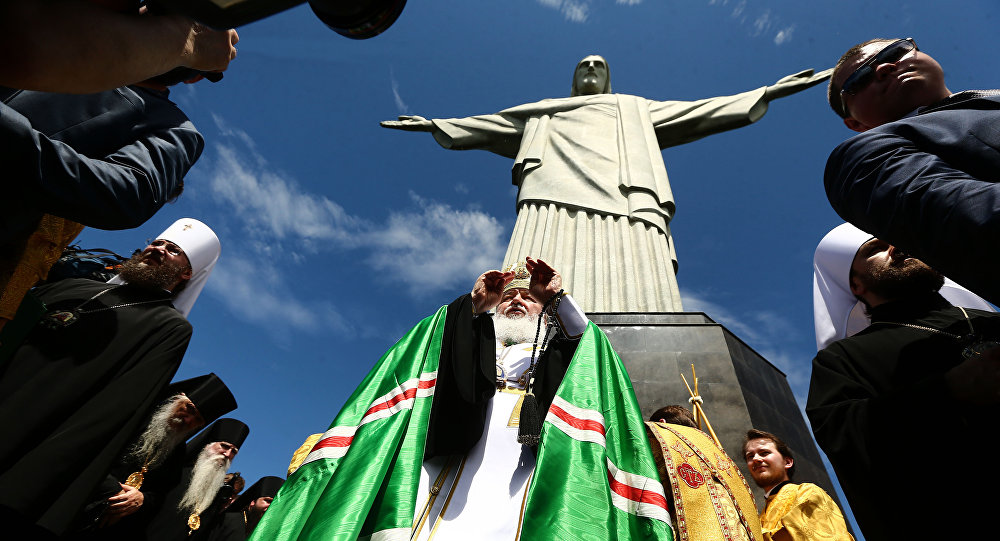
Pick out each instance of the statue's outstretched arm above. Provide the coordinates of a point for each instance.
(409, 123)
(796, 82)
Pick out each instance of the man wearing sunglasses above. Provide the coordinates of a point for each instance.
(88, 371)
(922, 174)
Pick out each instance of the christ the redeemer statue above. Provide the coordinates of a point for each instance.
(593, 196)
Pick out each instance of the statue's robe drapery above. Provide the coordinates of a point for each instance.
(594, 200)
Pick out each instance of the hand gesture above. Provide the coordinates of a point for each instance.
(208, 49)
(795, 82)
(488, 289)
(126, 502)
(545, 281)
(409, 123)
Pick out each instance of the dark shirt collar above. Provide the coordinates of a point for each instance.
(777, 488)
(149, 293)
(909, 308)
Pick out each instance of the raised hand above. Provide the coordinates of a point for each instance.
(488, 289)
(545, 281)
(409, 123)
(208, 49)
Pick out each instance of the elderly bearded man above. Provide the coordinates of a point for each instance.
(455, 431)
(923, 174)
(88, 373)
(876, 398)
(186, 510)
(153, 463)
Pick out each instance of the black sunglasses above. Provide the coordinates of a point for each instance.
(866, 71)
(171, 248)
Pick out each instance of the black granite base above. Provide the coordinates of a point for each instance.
(740, 388)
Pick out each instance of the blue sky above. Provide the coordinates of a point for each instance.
(339, 235)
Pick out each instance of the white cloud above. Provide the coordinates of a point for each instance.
(401, 105)
(783, 35)
(628, 2)
(425, 248)
(268, 202)
(762, 23)
(436, 248)
(256, 293)
(758, 22)
(738, 9)
(575, 11)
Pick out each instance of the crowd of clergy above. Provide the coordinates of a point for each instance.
(99, 442)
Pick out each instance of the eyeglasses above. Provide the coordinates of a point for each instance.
(866, 71)
(171, 248)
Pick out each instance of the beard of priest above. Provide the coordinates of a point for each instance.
(169, 427)
(881, 273)
(207, 476)
(79, 387)
(516, 317)
(156, 268)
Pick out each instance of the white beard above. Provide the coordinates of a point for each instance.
(160, 436)
(517, 330)
(206, 479)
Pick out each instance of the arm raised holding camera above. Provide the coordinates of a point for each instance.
(80, 47)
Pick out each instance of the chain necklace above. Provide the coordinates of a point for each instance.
(972, 343)
(58, 319)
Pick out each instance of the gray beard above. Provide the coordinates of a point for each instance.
(206, 479)
(160, 437)
(517, 330)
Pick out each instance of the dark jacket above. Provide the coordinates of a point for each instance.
(928, 184)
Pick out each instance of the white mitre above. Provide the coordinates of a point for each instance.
(202, 248)
(836, 311)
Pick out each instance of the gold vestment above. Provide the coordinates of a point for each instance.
(711, 500)
(32, 263)
(801, 512)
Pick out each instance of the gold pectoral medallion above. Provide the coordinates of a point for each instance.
(194, 522)
(58, 319)
(135, 480)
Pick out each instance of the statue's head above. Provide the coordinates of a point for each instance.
(591, 76)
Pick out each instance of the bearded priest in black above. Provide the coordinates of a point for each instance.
(88, 373)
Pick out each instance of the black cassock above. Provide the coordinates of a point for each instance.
(168, 523)
(231, 526)
(71, 397)
(467, 379)
(157, 484)
(913, 462)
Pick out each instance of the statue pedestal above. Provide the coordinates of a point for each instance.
(740, 388)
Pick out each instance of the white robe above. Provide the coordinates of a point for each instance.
(487, 499)
(481, 496)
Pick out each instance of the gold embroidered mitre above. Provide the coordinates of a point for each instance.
(522, 278)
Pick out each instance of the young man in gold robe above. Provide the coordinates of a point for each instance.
(793, 512)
